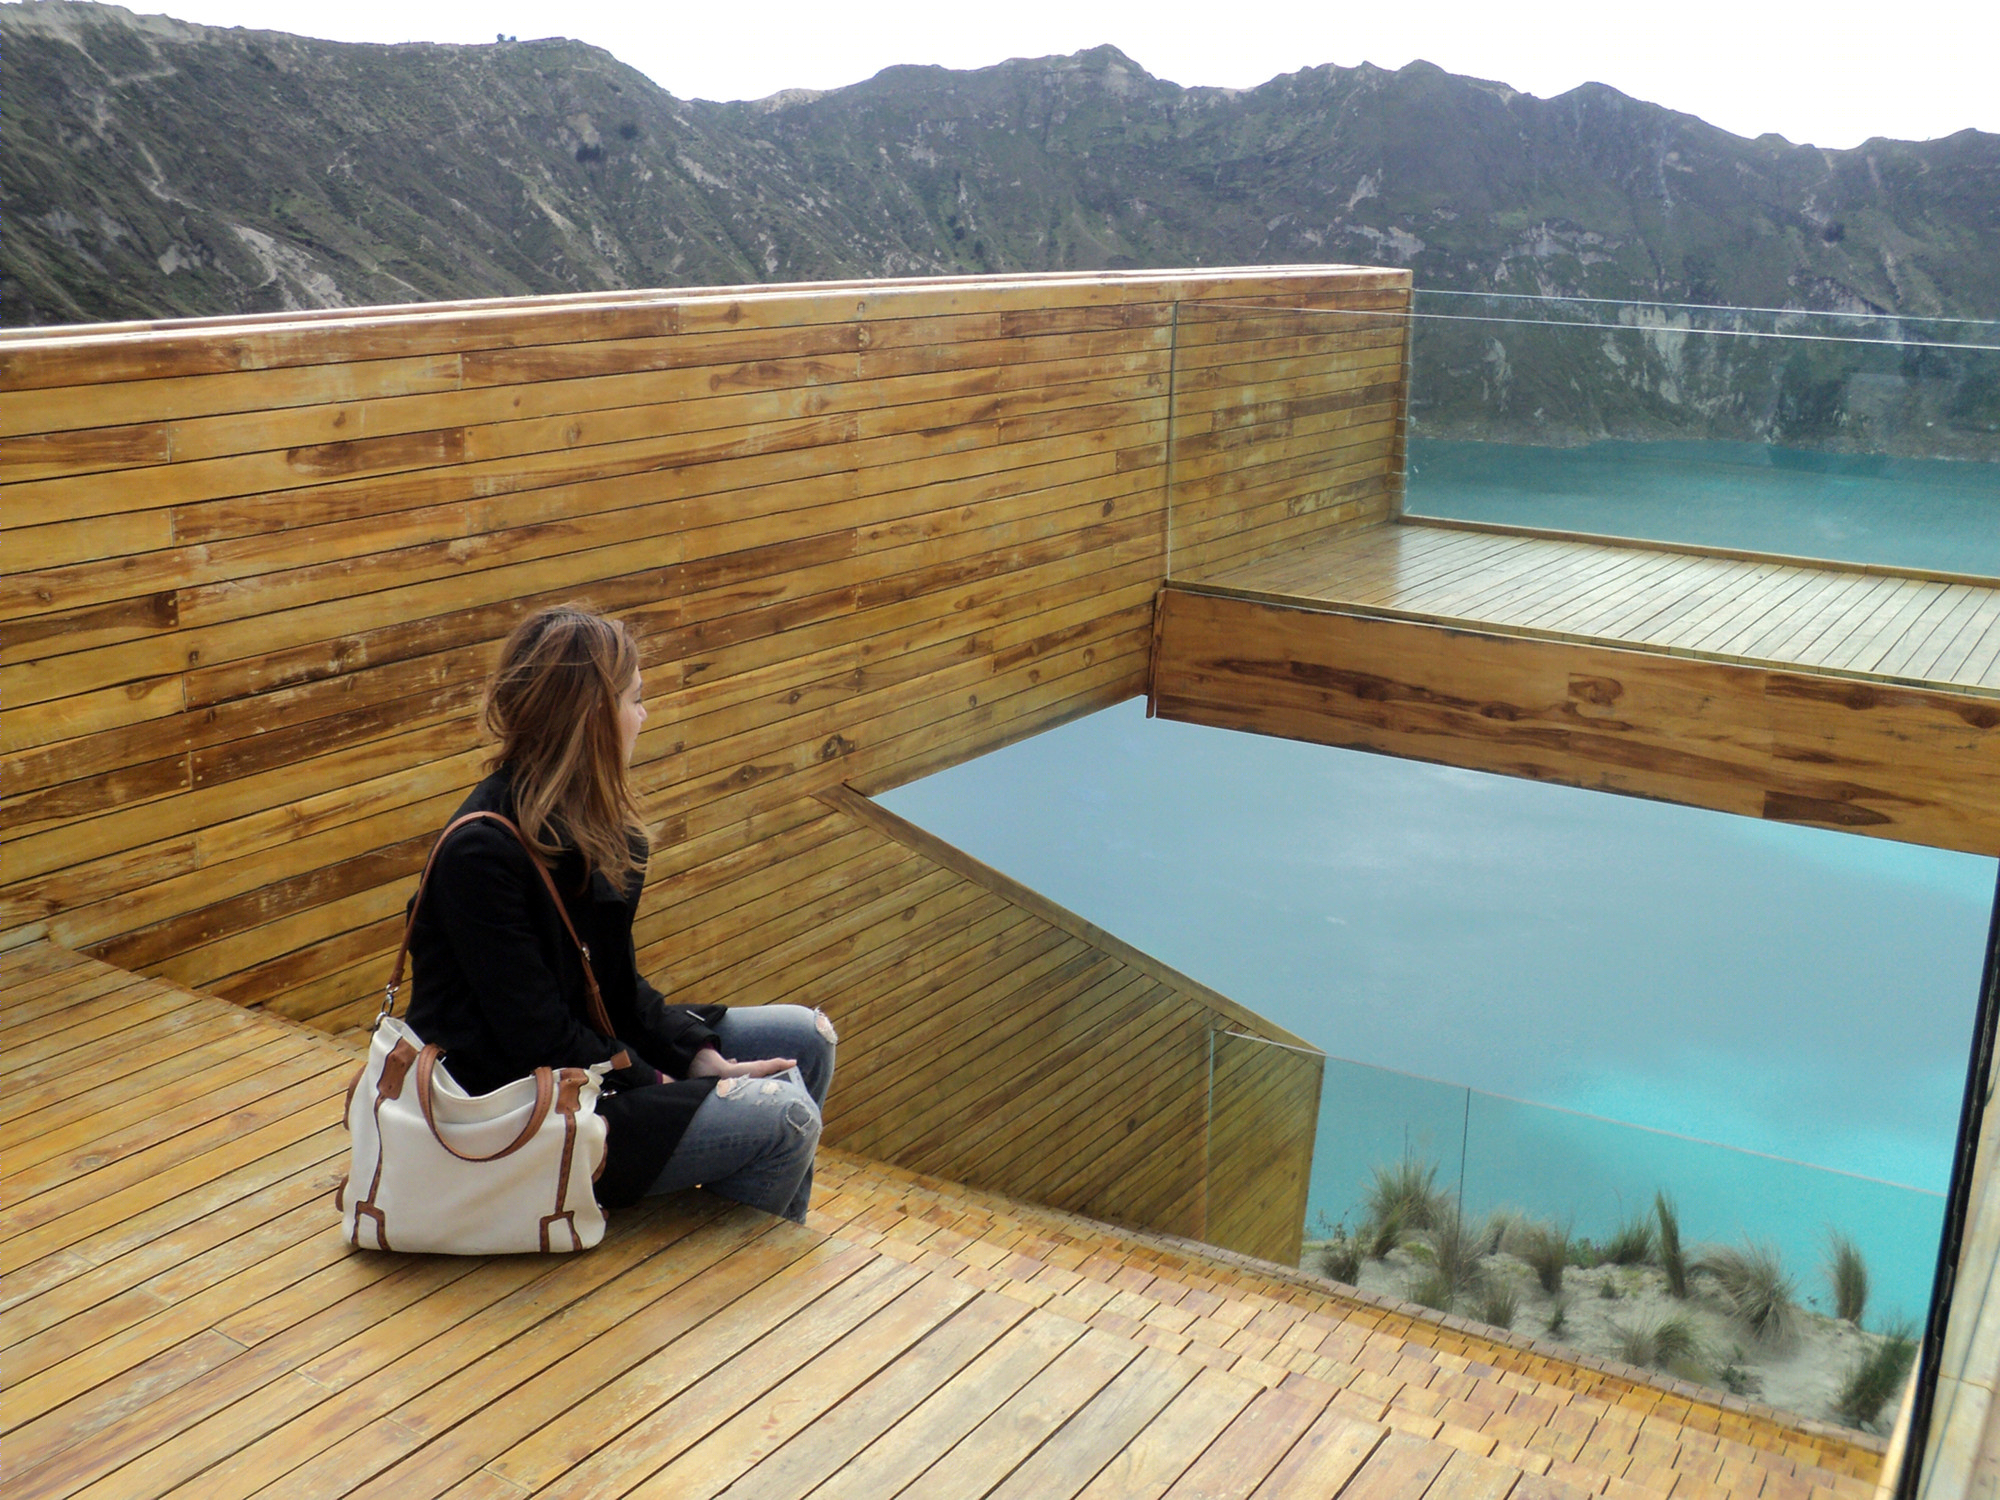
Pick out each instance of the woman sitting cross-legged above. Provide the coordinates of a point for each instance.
(727, 1097)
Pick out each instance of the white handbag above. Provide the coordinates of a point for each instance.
(432, 1168)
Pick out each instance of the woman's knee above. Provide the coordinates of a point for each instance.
(811, 1032)
(805, 1035)
(783, 1102)
(816, 1055)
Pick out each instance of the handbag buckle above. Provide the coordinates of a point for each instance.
(388, 1002)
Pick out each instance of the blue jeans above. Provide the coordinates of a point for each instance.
(753, 1138)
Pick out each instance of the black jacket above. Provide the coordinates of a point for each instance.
(498, 984)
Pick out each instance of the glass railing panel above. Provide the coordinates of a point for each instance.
(1855, 439)
(1549, 1223)
(1598, 1176)
(1376, 1127)
(1860, 439)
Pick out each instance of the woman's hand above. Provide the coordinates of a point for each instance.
(709, 1063)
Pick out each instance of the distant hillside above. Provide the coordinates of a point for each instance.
(151, 168)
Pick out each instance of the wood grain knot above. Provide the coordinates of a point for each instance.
(356, 455)
(1601, 691)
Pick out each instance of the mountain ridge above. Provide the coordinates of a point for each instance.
(151, 167)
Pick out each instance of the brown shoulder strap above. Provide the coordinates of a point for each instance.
(598, 1015)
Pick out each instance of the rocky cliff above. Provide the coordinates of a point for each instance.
(152, 168)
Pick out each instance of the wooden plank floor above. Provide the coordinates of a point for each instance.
(180, 1317)
(1876, 625)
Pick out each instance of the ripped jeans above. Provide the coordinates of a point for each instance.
(753, 1138)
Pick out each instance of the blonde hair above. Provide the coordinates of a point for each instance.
(552, 703)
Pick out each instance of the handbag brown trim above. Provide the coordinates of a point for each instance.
(568, 1102)
(544, 1096)
(395, 1068)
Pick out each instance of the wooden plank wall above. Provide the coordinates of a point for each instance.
(1286, 421)
(1258, 1085)
(1902, 763)
(256, 573)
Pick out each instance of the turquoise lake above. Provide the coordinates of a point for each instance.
(1913, 513)
(1509, 976)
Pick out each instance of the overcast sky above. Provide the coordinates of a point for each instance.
(1832, 73)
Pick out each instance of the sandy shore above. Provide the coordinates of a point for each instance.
(1802, 1375)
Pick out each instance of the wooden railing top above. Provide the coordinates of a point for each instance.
(96, 353)
(651, 294)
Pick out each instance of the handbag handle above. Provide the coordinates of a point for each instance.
(599, 1017)
(545, 1091)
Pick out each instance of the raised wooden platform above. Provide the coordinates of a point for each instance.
(1869, 623)
(182, 1318)
(1862, 699)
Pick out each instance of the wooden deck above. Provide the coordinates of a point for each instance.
(182, 1318)
(1880, 624)
(257, 570)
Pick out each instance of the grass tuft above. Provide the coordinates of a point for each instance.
(1753, 1286)
(1631, 1244)
(1545, 1247)
(1847, 1274)
(1672, 1261)
(1674, 1341)
(1456, 1248)
(1669, 1343)
(1340, 1255)
(1434, 1289)
(1403, 1199)
(1558, 1312)
(1633, 1342)
(1498, 1302)
(1380, 1236)
(1503, 1225)
(1407, 1190)
(1878, 1376)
